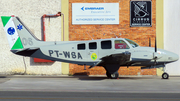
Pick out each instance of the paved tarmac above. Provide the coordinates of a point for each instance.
(93, 88)
(149, 84)
(86, 96)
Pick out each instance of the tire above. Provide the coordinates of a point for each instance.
(115, 75)
(165, 76)
(108, 74)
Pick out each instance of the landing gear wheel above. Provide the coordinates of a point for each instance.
(165, 76)
(112, 76)
(108, 74)
(115, 75)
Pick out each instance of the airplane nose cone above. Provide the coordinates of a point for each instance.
(173, 57)
(176, 57)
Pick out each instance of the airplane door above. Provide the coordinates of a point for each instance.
(92, 51)
(105, 48)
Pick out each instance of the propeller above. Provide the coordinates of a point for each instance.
(155, 50)
(155, 54)
(155, 45)
(149, 42)
(155, 57)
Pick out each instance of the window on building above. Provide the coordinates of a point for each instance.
(93, 45)
(81, 46)
(120, 44)
(106, 44)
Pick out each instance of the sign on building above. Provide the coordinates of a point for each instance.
(95, 13)
(140, 13)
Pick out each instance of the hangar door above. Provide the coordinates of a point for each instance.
(172, 33)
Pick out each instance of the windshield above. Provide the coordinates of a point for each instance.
(132, 43)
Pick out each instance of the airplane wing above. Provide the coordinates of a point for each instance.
(120, 58)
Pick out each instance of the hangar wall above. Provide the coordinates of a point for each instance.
(122, 30)
(172, 33)
(30, 12)
(167, 31)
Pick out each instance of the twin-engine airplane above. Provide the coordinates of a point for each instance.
(109, 53)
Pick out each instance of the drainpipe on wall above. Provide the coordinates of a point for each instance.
(51, 15)
(44, 34)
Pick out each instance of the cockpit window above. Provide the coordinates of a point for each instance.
(132, 43)
(120, 44)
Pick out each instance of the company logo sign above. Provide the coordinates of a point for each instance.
(92, 8)
(141, 13)
(140, 9)
(95, 13)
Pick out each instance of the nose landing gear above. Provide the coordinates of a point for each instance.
(165, 75)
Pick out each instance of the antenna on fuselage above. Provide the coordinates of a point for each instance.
(115, 35)
(90, 36)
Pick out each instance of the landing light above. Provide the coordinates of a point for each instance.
(158, 52)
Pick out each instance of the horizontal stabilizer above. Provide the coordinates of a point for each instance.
(25, 52)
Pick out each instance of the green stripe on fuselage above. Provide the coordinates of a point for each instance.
(17, 45)
(5, 20)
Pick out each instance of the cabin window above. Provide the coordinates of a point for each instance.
(81, 46)
(120, 44)
(93, 45)
(106, 44)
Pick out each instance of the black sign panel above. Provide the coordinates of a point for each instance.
(141, 13)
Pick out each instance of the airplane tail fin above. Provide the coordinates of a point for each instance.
(19, 37)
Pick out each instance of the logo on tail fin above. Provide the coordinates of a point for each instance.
(19, 27)
(11, 31)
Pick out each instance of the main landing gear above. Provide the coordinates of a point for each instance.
(114, 75)
(112, 70)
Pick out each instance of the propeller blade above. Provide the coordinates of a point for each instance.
(155, 57)
(155, 45)
(149, 42)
